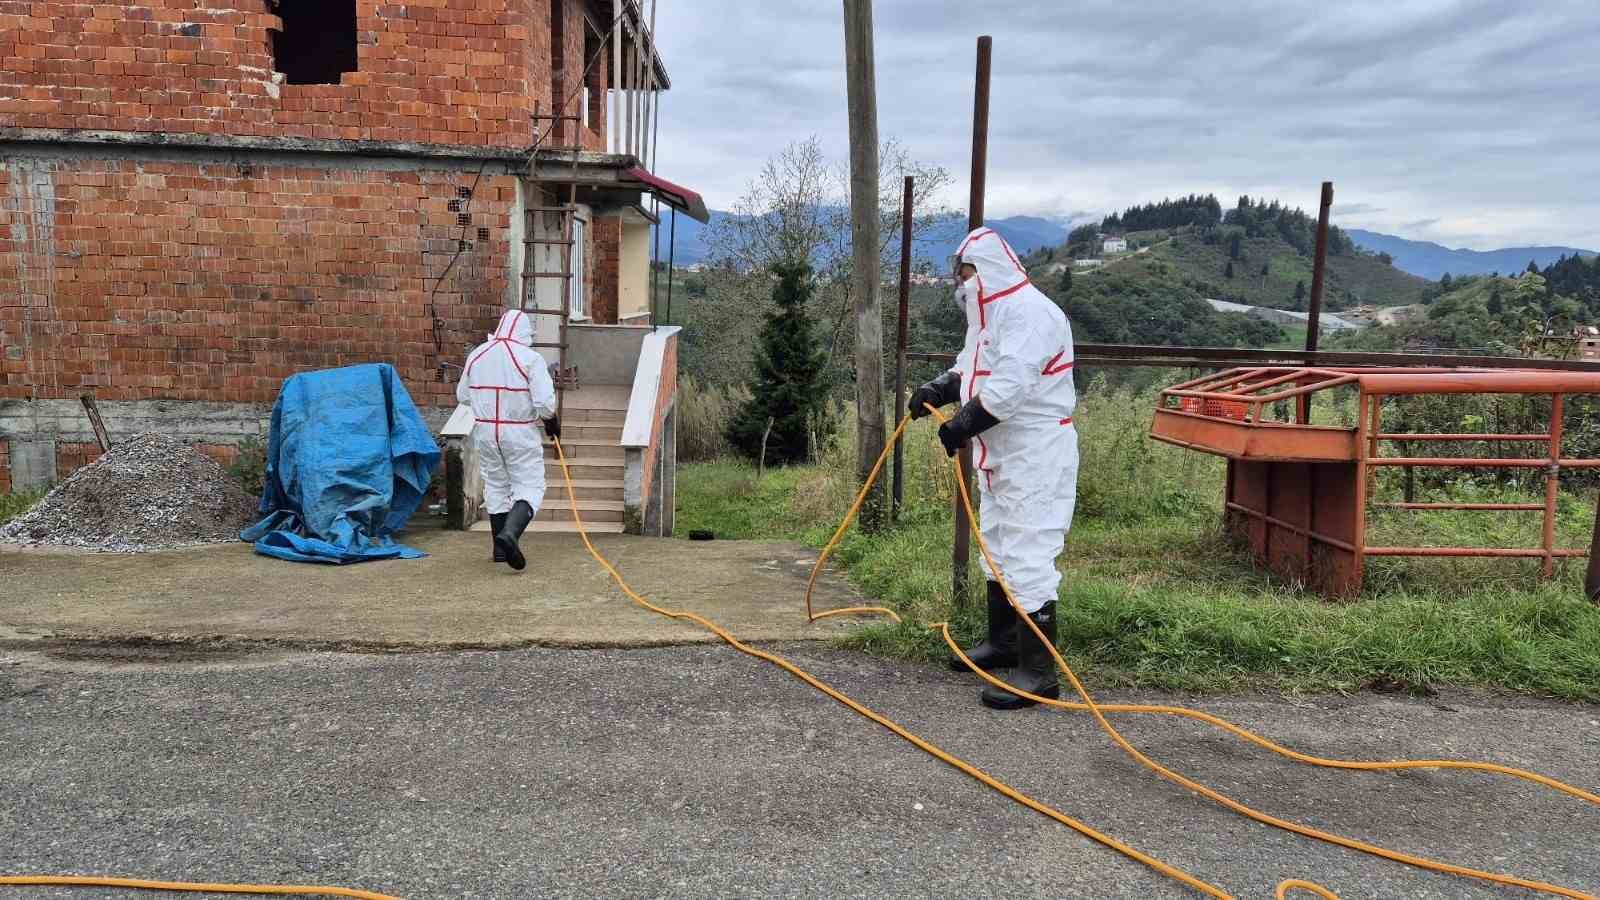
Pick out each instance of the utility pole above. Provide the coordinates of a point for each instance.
(866, 272)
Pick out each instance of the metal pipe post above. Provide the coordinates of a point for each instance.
(1591, 583)
(961, 550)
(902, 339)
(1319, 270)
(1318, 273)
(614, 127)
(1552, 486)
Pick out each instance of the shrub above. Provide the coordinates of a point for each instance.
(250, 466)
(703, 415)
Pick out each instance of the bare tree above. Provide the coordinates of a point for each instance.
(797, 208)
(789, 212)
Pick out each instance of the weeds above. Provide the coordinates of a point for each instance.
(249, 467)
(1154, 595)
(703, 413)
(14, 505)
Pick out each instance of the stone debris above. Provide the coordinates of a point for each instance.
(149, 492)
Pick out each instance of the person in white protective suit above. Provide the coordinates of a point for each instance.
(1014, 381)
(508, 385)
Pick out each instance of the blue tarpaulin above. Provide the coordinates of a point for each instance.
(348, 461)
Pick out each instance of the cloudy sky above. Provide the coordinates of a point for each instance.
(1467, 122)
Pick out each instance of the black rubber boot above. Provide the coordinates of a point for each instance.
(511, 531)
(1035, 671)
(999, 649)
(497, 521)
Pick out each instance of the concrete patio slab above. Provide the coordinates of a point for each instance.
(455, 598)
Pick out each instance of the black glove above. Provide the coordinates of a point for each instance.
(941, 391)
(552, 427)
(967, 424)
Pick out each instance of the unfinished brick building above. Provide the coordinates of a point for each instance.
(199, 198)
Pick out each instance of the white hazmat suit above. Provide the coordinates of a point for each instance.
(508, 385)
(1017, 362)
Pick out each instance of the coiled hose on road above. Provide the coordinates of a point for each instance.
(1087, 704)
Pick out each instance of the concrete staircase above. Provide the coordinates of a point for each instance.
(591, 433)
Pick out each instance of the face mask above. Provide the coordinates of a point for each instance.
(964, 292)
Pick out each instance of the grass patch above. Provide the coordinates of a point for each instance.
(1154, 596)
(13, 505)
(726, 499)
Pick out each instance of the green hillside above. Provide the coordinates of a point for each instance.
(1520, 315)
(1353, 279)
(1257, 253)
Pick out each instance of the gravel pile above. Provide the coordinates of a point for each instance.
(149, 492)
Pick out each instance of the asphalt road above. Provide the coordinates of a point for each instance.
(697, 772)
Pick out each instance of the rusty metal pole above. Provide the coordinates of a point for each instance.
(1319, 272)
(961, 551)
(1552, 487)
(1591, 583)
(902, 338)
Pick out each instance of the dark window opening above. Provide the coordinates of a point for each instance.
(318, 40)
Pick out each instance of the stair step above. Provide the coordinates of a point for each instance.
(577, 415)
(588, 510)
(587, 470)
(596, 489)
(572, 527)
(565, 527)
(603, 433)
(610, 397)
(586, 450)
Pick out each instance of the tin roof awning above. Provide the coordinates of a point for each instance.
(613, 172)
(680, 198)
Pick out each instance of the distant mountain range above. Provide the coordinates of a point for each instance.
(1028, 233)
(1023, 233)
(1432, 261)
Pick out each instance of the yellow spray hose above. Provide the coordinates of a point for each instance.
(1088, 704)
(1096, 710)
(192, 886)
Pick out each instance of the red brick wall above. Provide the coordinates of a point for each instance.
(72, 457)
(211, 281)
(5, 467)
(605, 270)
(464, 72)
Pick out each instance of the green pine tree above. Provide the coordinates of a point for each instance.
(1496, 305)
(1227, 270)
(1066, 280)
(1299, 296)
(788, 389)
(1235, 247)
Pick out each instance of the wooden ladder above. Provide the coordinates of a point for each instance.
(564, 376)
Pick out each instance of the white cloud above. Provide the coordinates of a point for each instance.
(1473, 113)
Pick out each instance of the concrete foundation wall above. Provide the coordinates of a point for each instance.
(44, 441)
(606, 354)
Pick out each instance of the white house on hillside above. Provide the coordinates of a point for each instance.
(1114, 245)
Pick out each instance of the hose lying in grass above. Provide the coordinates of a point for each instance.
(1097, 711)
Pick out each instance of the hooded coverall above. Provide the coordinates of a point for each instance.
(1017, 362)
(508, 385)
